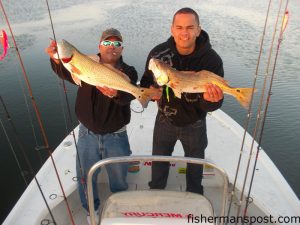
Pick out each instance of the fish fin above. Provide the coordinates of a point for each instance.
(177, 93)
(146, 94)
(76, 79)
(244, 95)
(172, 85)
(75, 70)
(111, 67)
(188, 72)
(117, 71)
(210, 76)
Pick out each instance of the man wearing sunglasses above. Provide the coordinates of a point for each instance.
(103, 114)
(188, 49)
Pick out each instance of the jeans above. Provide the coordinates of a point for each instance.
(194, 141)
(94, 147)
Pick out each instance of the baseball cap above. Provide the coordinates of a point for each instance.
(110, 33)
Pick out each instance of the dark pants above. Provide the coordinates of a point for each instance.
(194, 141)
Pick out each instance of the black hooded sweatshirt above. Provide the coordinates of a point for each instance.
(96, 111)
(191, 107)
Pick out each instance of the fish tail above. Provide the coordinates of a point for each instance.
(243, 95)
(146, 94)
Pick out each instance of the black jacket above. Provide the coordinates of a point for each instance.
(97, 112)
(191, 107)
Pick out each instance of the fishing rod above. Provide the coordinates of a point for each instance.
(62, 81)
(22, 172)
(246, 124)
(33, 102)
(9, 142)
(284, 23)
(21, 146)
(82, 180)
(26, 78)
(29, 113)
(258, 119)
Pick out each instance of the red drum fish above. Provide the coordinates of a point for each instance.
(194, 82)
(98, 74)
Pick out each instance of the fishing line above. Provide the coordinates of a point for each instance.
(246, 124)
(257, 118)
(28, 110)
(11, 146)
(21, 146)
(61, 81)
(29, 113)
(133, 106)
(282, 29)
(83, 182)
(35, 106)
(13, 152)
(63, 85)
(68, 109)
(25, 77)
(132, 103)
(255, 130)
(133, 110)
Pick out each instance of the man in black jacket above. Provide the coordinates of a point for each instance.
(103, 114)
(184, 119)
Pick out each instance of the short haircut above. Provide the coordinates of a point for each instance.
(187, 10)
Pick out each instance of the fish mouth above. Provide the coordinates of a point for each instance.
(162, 80)
(154, 68)
(160, 76)
(152, 65)
(65, 51)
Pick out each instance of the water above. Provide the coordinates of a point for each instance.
(235, 28)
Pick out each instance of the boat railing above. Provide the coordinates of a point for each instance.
(176, 159)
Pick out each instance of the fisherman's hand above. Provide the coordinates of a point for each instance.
(109, 92)
(159, 93)
(213, 93)
(51, 50)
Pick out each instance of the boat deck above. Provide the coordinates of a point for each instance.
(271, 194)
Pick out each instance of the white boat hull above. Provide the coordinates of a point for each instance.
(271, 193)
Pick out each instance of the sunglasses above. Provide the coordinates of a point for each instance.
(109, 43)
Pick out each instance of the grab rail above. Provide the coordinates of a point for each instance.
(150, 158)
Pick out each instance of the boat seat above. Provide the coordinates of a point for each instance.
(155, 207)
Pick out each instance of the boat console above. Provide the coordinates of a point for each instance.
(146, 207)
